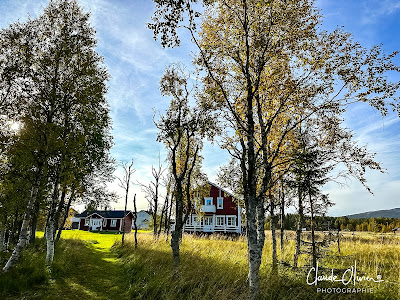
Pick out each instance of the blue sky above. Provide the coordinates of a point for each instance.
(136, 63)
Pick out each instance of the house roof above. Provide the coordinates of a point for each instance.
(117, 214)
(224, 190)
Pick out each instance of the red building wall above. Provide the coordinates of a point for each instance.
(229, 207)
(82, 225)
(109, 227)
(128, 224)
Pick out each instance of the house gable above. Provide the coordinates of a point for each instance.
(219, 213)
(110, 220)
(94, 215)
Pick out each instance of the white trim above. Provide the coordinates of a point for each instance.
(94, 214)
(115, 218)
(222, 203)
(219, 218)
(208, 198)
(234, 220)
(213, 224)
(113, 225)
(87, 220)
(218, 187)
(208, 218)
(239, 219)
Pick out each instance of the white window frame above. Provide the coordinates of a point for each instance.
(228, 218)
(207, 219)
(206, 199)
(87, 222)
(188, 221)
(113, 223)
(196, 220)
(220, 203)
(218, 219)
(104, 222)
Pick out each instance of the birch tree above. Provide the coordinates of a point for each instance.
(152, 193)
(57, 85)
(125, 183)
(181, 130)
(135, 220)
(265, 61)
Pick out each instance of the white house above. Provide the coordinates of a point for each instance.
(142, 221)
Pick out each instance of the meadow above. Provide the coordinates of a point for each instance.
(96, 266)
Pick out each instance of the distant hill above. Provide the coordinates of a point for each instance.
(386, 213)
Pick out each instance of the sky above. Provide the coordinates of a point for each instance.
(136, 63)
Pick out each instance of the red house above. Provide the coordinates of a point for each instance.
(104, 220)
(217, 213)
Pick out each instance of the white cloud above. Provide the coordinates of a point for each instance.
(136, 63)
(375, 10)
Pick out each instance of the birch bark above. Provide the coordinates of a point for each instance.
(23, 236)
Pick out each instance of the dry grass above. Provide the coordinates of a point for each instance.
(216, 268)
(95, 266)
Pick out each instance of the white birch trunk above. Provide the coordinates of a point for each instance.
(253, 251)
(50, 241)
(254, 268)
(2, 237)
(23, 236)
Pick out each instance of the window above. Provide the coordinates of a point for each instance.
(208, 221)
(220, 220)
(188, 221)
(220, 202)
(87, 222)
(230, 221)
(105, 222)
(195, 220)
(113, 223)
(208, 201)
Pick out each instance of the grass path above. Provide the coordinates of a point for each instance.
(90, 270)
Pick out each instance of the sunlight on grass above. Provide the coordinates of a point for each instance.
(216, 268)
(82, 290)
(109, 259)
(96, 266)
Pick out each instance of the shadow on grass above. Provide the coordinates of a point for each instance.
(80, 271)
(206, 274)
(210, 269)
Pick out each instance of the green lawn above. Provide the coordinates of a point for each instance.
(85, 267)
(96, 272)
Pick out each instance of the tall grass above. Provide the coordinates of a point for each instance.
(216, 268)
(29, 272)
(83, 267)
(212, 267)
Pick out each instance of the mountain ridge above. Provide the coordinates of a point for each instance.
(383, 213)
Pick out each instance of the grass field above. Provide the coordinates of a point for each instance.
(95, 266)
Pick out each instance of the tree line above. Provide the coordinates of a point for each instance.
(326, 223)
